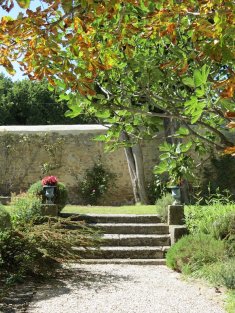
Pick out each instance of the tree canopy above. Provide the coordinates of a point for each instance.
(133, 63)
(31, 103)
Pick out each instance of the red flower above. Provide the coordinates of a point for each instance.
(49, 181)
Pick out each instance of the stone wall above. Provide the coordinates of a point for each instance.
(26, 151)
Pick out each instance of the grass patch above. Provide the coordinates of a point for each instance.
(230, 306)
(126, 209)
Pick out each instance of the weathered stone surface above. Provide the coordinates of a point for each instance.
(136, 240)
(176, 232)
(49, 209)
(131, 228)
(77, 153)
(124, 261)
(114, 218)
(176, 215)
(122, 252)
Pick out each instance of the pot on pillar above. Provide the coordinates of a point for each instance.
(49, 192)
(176, 194)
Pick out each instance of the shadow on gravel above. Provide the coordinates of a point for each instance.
(69, 279)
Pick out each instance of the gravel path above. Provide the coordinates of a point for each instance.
(123, 289)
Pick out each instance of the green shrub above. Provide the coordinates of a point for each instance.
(192, 252)
(95, 184)
(224, 226)
(19, 257)
(61, 193)
(37, 250)
(27, 208)
(5, 219)
(162, 205)
(227, 274)
(219, 273)
(156, 188)
(204, 218)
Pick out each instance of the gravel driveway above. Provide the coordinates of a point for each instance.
(123, 289)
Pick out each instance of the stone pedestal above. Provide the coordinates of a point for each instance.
(176, 232)
(5, 200)
(176, 214)
(176, 222)
(49, 210)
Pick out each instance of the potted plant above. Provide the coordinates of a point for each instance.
(175, 186)
(177, 165)
(49, 184)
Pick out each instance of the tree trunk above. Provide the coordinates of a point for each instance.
(136, 169)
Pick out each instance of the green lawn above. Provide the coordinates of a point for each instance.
(126, 209)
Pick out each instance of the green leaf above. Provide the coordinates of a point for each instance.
(74, 111)
(67, 5)
(64, 96)
(103, 114)
(100, 138)
(51, 88)
(186, 146)
(205, 72)
(165, 147)
(182, 131)
(191, 105)
(198, 79)
(188, 81)
(100, 96)
(164, 156)
(24, 4)
(200, 76)
(200, 92)
(161, 168)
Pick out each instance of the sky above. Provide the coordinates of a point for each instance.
(14, 13)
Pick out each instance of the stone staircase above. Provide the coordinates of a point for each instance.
(127, 239)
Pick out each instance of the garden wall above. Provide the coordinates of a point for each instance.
(29, 152)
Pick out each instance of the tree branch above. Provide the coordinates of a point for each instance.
(210, 142)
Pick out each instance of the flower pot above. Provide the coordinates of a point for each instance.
(176, 194)
(49, 193)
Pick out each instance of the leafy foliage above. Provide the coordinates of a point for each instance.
(175, 162)
(219, 273)
(156, 188)
(31, 103)
(38, 250)
(95, 183)
(189, 253)
(5, 220)
(162, 205)
(132, 63)
(203, 219)
(27, 208)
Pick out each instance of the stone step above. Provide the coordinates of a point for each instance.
(136, 240)
(124, 261)
(132, 228)
(122, 252)
(113, 218)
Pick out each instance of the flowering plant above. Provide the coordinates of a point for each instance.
(49, 181)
